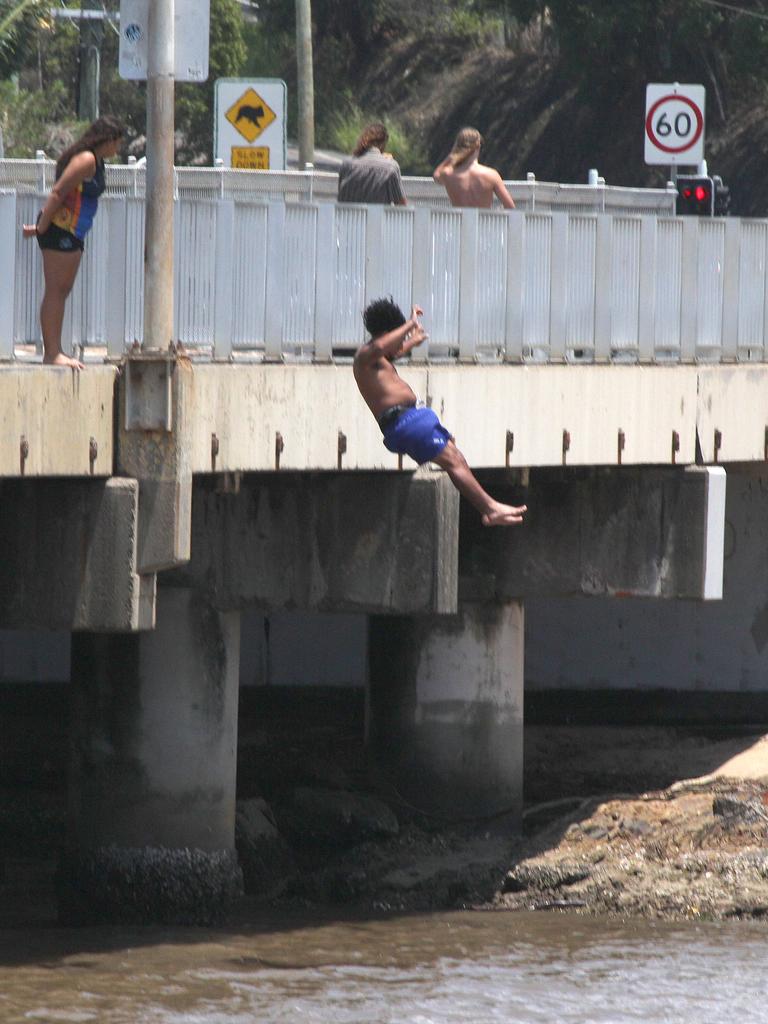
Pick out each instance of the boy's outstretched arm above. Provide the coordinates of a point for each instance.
(401, 340)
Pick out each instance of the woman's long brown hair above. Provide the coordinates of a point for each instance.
(103, 129)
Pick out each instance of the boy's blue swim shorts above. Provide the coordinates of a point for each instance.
(416, 432)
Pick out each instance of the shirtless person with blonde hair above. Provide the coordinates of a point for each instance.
(466, 180)
(410, 429)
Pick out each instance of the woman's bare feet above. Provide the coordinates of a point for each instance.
(61, 360)
(504, 515)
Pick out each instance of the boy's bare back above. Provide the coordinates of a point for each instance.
(474, 185)
(466, 180)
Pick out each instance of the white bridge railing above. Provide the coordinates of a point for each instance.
(37, 175)
(275, 279)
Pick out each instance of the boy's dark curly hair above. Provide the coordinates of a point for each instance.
(382, 316)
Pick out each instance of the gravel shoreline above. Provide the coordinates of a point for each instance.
(678, 830)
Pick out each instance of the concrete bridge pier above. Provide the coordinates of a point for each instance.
(445, 705)
(446, 691)
(153, 766)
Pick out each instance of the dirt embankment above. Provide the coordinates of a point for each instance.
(687, 852)
(536, 118)
(679, 832)
(696, 849)
(652, 822)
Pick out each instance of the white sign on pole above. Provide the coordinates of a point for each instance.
(192, 29)
(674, 124)
(250, 123)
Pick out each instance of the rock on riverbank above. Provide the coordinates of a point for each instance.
(679, 832)
(693, 850)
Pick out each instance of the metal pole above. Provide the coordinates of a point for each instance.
(158, 250)
(305, 83)
(91, 36)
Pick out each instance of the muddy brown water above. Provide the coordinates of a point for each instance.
(479, 968)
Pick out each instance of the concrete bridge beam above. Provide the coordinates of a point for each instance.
(342, 542)
(446, 710)
(68, 556)
(630, 531)
(152, 784)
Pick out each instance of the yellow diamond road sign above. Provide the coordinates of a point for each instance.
(250, 115)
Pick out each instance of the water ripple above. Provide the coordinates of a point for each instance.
(438, 969)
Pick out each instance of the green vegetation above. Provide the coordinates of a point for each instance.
(17, 22)
(37, 61)
(28, 119)
(39, 80)
(342, 133)
(476, 28)
(597, 48)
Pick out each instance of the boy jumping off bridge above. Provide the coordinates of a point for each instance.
(410, 429)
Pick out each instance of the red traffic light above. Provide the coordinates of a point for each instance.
(694, 195)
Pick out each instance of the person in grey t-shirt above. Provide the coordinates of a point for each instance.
(371, 175)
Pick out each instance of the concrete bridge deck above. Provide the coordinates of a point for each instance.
(263, 417)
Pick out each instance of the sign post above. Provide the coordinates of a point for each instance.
(674, 124)
(161, 41)
(305, 82)
(249, 127)
(158, 251)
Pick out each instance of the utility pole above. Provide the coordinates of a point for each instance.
(158, 250)
(306, 83)
(91, 37)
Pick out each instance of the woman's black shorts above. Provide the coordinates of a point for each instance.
(59, 240)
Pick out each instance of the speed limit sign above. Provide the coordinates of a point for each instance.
(674, 124)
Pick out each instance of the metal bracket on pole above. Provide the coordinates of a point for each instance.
(149, 393)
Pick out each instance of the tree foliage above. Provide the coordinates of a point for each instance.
(718, 44)
(597, 45)
(360, 22)
(31, 120)
(18, 19)
(40, 55)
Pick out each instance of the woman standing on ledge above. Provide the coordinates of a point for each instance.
(64, 221)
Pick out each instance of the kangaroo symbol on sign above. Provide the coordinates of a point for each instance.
(250, 113)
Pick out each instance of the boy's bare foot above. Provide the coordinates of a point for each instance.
(504, 515)
(61, 360)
